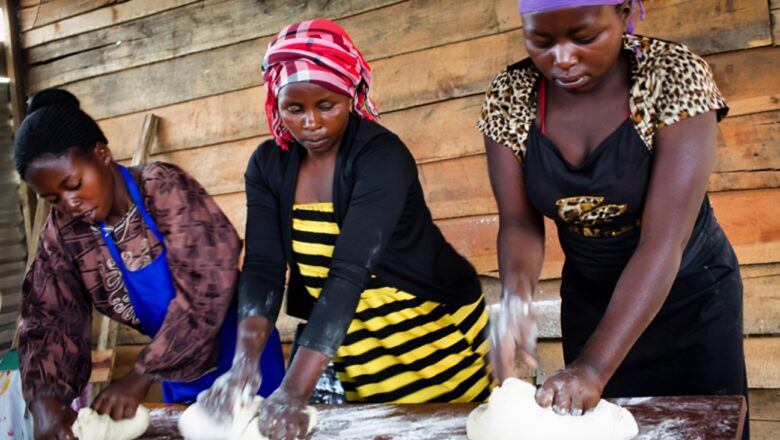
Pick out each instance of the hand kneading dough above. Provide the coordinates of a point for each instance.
(90, 425)
(513, 414)
(197, 424)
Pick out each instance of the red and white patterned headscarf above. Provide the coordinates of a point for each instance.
(320, 52)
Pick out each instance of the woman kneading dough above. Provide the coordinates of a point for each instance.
(147, 246)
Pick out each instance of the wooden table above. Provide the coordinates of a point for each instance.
(683, 418)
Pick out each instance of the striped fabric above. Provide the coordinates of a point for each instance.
(398, 348)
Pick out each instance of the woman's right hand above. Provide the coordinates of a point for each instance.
(52, 419)
(513, 328)
(241, 381)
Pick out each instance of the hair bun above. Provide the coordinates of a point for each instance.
(48, 97)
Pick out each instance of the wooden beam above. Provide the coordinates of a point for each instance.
(148, 135)
(16, 76)
(102, 364)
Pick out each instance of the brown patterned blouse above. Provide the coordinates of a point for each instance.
(73, 271)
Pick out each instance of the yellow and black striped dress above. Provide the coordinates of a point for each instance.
(398, 348)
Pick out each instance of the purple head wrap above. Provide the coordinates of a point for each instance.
(527, 6)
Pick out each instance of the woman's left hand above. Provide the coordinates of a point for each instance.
(574, 389)
(122, 397)
(283, 416)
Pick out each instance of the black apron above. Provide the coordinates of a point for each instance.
(694, 345)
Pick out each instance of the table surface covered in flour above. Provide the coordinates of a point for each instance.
(684, 418)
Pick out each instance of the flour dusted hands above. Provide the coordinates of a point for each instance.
(284, 416)
(574, 389)
(513, 328)
(240, 383)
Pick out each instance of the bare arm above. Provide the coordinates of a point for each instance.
(682, 162)
(520, 257)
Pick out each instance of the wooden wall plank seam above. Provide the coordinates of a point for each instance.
(46, 12)
(98, 19)
(445, 129)
(748, 20)
(190, 29)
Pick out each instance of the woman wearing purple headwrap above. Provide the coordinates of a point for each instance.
(612, 136)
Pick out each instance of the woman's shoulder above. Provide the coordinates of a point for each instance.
(373, 132)
(162, 183)
(671, 83)
(156, 169)
(509, 107)
(658, 56)
(268, 153)
(516, 82)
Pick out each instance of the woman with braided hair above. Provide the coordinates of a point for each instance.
(336, 198)
(146, 246)
(612, 135)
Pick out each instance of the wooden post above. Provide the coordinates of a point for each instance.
(16, 75)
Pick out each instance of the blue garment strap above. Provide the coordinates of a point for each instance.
(135, 195)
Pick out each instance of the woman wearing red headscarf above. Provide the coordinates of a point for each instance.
(612, 136)
(336, 198)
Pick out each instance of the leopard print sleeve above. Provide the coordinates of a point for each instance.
(673, 84)
(509, 108)
(689, 88)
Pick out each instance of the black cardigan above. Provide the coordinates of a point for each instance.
(385, 227)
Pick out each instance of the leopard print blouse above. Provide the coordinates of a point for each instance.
(669, 83)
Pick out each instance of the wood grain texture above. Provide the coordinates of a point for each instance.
(409, 26)
(175, 32)
(761, 355)
(774, 6)
(213, 120)
(116, 14)
(445, 129)
(729, 25)
(45, 12)
(765, 404)
(748, 79)
(764, 430)
(160, 84)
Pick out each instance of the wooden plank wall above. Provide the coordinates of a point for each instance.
(13, 252)
(196, 64)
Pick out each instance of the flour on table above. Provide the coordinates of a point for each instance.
(196, 424)
(513, 414)
(90, 425)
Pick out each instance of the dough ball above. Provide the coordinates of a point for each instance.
(196, 424)
(513, 414)
(90, 425)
